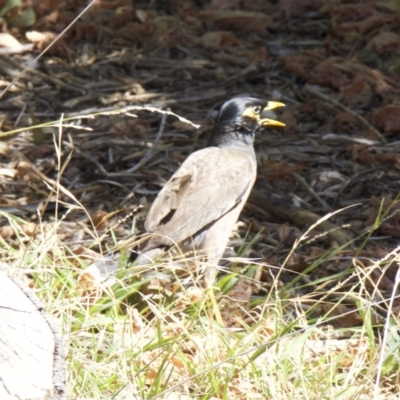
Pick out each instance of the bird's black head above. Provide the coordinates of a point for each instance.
(239, 120)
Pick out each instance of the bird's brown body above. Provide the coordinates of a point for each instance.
(198, 207)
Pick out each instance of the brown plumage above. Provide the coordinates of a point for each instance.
(198, 207)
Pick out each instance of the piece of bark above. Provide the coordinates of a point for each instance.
(31, 351)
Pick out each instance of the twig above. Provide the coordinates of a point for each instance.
(360, 118)
(88, 157)
(151, 152)
(310, 190)
(352, 179)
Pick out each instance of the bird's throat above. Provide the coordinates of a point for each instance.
(232, 138)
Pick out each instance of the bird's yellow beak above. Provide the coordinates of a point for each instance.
(271, 106)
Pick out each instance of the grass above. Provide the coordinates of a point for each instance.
(149, 346)
(125, 341)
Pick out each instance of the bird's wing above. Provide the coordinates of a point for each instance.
(209, 183)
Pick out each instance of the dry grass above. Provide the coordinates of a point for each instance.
(125, 345)
(125, 341)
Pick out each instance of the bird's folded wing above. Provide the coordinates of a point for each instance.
(209, 183)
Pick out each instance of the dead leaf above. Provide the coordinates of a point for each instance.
(239, 60)
(100, 220)
(290, 117)
(49, 19)
(336, 72)
(302, 65)
(315, 253)
(137, 322)
(385, 205)
(8, 172)
(7, 40)
(296, 263)
(134, 32)
(343, 316)
(239, 21)
(41, 151)
(357, 94)
(141, 15)
(327, 73)
(4, 149)
(25, 172)
(43, 7)
(388, 118)
(346, 122)
(219, 39)
(379, 280)
(233, 306)
(224, 5)
(347, 19)
(321, 180)
(132, 127)
(41, 39)
(28, 228)
(369, 155)
(385, 42)
(6, 232)
(296, 8)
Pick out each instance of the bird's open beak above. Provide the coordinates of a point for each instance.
(267, 121)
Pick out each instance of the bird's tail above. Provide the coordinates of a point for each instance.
(146, 257)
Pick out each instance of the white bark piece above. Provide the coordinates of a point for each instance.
(31, 353)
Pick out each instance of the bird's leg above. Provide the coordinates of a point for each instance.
(209, 276)
(209, 280)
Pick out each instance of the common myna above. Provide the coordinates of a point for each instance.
(197, 208)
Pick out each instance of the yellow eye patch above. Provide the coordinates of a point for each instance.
(254, 112)
(250, 112)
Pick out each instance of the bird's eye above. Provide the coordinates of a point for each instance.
(257, 110)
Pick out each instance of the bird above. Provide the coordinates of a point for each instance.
(198, 207)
